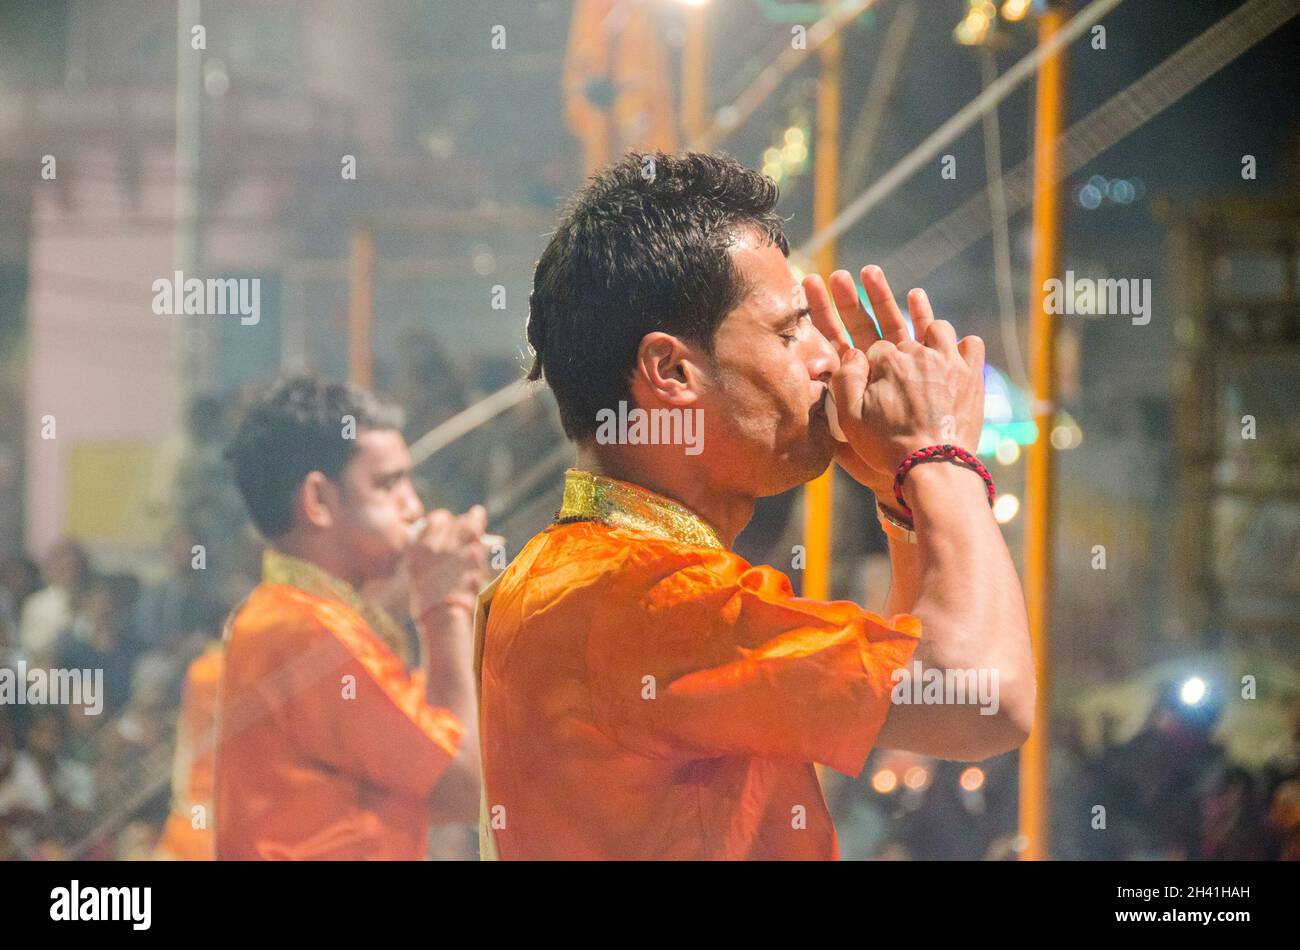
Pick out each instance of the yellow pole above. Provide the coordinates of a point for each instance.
(361, 306)
(695, 72)
(1039, 474)
(826, 151)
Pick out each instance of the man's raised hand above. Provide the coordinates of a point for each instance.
(448, 559)
(900, 394)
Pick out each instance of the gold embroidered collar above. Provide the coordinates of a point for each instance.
(281, 568)
(589, 497)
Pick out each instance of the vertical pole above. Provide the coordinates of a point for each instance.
(1039, 469)
(695, 72)
(826, 150)
(361, 306)
(192, 336)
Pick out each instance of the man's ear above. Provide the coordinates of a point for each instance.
(667, 369)
(318, 499)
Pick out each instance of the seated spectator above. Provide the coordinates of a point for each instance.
(49, 611)
(1234, 826)
(96, 638)
(71, 783)
(25, 798)
(19, 579)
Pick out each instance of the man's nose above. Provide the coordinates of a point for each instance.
(412, 507)
(825, 360)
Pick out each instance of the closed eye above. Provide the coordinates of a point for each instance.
(790, 332)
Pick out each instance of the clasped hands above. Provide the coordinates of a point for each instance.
(895, 394)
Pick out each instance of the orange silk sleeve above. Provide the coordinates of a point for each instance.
(720, 658)
(355, 709)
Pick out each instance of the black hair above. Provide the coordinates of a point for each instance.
(643, 246)
(300, 426)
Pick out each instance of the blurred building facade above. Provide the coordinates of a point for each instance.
(1237, 438)
(314, 123)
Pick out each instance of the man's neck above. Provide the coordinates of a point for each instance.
(725, 511)
(327, 557)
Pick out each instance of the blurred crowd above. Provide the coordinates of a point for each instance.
(61, 766)
(1168, 793)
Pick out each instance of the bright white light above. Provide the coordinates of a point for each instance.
(1066, 436)
(1008, 452)
(997, 408)
(1013, 10)
(1005, 507)
(693, 3)
(1193, 691)
(972, 29)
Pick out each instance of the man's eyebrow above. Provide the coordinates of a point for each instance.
(795, 315)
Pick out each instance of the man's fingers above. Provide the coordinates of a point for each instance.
(823, 313)
(940, 335)
(436, 526)
(854, 315)
(879, 351)
(476, 518)
(848, 383)
(892, 325)
(971, 349)
(472, 524)
(918, 305)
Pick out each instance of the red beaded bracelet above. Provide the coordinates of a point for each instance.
(940, 453)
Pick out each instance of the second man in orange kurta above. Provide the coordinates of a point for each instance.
(327, 748)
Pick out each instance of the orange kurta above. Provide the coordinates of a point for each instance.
(645, 693)
(187, 836)
(326, 747)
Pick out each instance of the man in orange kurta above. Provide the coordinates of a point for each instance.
(327, 748)
(676, 694)
(644, 691)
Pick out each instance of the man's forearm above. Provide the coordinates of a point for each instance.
(447, 647)
(964, 589)
(447, 643)
(904, 577)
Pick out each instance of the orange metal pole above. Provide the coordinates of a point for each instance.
(1039, 468)
(695, 72)
(818, 492)
(361, 307)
